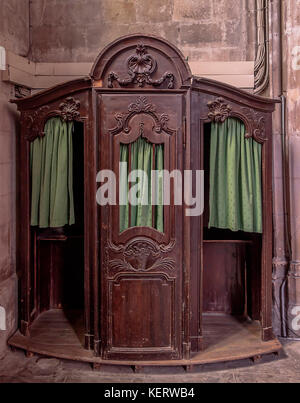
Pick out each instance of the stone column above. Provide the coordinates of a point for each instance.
(14, 36)
(291, 58)
(8, 281)
(280, 252)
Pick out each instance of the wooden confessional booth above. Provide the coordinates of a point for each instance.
(132, 284)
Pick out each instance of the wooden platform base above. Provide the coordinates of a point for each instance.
(56, 334)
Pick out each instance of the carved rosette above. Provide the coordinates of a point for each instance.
(219, 111)
(141, 106)
(70, 109)
(139, 256)
(140, 67)
(34, 122)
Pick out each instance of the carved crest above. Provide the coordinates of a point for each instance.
(254, 121)
(33, 122)
(70, 109)
(141, 106)
(140, 67)
(139, 256)
(219, 111)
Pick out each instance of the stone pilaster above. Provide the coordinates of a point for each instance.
(291, 76)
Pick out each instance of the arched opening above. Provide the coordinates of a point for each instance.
(232, 227)
(57, 226)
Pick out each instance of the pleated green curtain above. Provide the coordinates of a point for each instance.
(142, 158)
(235, 178)
(159, 208)
(123, 189)
(51, 159)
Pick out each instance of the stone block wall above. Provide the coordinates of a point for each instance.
(13, 36)
(215, 30)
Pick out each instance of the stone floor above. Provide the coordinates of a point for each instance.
(15, 367)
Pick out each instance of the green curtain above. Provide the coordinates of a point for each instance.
(51, 159)
(123, 189)
(159, 208)
(142, 158)
(235, 178)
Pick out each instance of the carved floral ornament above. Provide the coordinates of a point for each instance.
(140, 256)
(70, 109)
(142, 106)
(218, 110)
(34, 122)
(254, 121)
(140, 67)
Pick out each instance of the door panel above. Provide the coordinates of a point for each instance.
(141, 267)
(149, 328)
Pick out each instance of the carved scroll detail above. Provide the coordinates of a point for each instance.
(33, 122)
(140, 68)
(254, 121)
(141, 106)
(140, 255)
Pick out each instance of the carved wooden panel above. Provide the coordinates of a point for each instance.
(141, 106)
(141, 268)
(140, 255)
(140, 67)
(143, 62)
(33, 121)
(130, 327)
(219, 110)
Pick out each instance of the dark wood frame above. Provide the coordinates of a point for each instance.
(115, 245)
(203, 101)
(221, 101)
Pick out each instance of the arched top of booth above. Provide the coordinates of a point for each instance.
(141, 61)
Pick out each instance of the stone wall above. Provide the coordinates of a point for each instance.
(215, 30)
(280, 252)
(14, 21)
(13, 36)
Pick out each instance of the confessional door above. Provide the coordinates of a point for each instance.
(140, 245)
